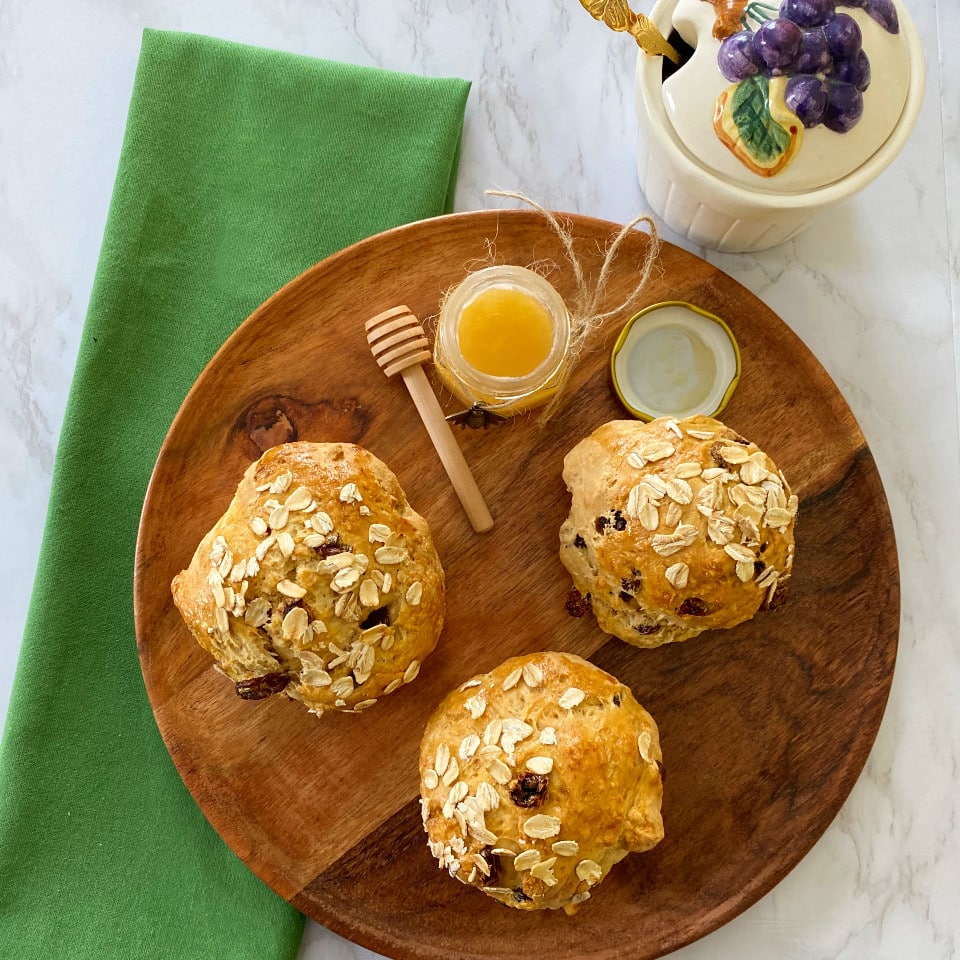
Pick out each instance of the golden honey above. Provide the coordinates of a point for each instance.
(505, 332)
(502, 339)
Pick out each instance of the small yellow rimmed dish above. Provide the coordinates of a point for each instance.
(674, 359)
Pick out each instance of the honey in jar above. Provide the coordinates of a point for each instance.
(502, 339)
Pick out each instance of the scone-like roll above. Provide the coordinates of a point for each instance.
(319, 581)
(536, 778)
(675, 527)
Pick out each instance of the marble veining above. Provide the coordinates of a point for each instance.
(871, 287)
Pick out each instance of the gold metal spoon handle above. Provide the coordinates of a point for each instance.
(617, 15)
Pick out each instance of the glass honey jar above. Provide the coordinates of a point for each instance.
(503, 340)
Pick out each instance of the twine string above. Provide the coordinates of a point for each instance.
(586, 318)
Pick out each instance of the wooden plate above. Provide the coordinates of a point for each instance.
(764, 728)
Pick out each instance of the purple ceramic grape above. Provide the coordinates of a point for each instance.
(813, 56)
(843, 37)
(737, 57)
(844, 106)
(807, 13)
(855, 71)
(885, 13)
(852, 3)
(777, 43)
(806, 96)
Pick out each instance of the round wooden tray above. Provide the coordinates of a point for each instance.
(765, 727)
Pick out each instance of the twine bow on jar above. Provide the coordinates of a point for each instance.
(586, 317)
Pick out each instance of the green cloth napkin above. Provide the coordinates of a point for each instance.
(240, 168)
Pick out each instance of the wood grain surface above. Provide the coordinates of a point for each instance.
(764, 728)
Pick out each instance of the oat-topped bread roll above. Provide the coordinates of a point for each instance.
(675, 527)
(319, 581)
(536, 778)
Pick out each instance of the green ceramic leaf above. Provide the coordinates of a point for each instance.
(762, 137)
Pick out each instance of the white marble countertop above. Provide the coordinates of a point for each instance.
(871, 287)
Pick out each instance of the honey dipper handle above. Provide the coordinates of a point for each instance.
(446, 446)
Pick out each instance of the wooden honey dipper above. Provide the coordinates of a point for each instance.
(400, 346)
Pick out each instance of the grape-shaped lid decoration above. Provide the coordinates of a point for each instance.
(780, 82)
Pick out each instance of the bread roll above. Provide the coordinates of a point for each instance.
(675, 527)
(319, 582)
(538, 777)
